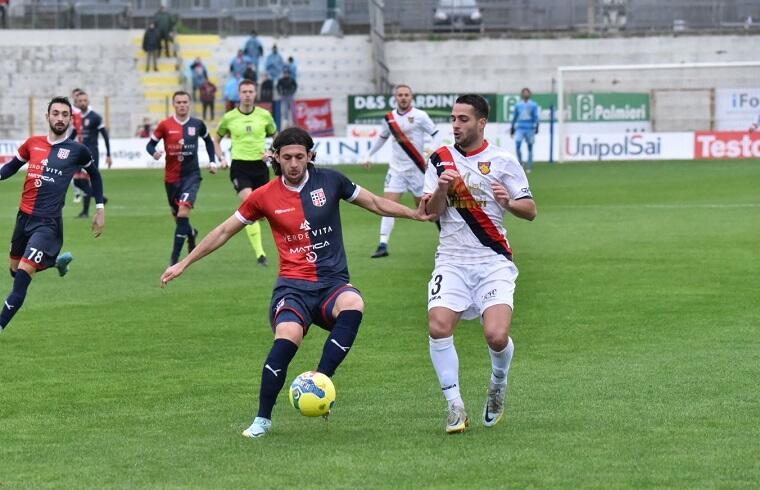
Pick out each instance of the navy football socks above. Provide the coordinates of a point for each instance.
(181, 232)
(14, 300)
(274, 374)
(340, 341)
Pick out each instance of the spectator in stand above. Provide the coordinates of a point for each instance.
(253, 49)
(208, 94)
(239, 63)
(151, 45)
(165, 23)
(266, 91)
(250, 73)
(286, 89)
(231, 93)
(199, 74)
(274, 64)
(4, 13)
(144, 129)
(293, 67)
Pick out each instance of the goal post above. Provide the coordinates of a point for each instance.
(666, 97)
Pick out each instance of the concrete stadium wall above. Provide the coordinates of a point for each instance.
(41, 64)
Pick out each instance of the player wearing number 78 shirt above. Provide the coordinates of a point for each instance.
(52, 160)
(470, 185)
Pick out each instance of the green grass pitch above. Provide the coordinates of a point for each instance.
(636, 329)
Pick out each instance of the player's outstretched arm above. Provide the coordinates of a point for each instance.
(10, 168)
(210, 242)
(524, 208)
(386, 207)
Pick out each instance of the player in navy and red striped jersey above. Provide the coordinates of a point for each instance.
(37, 238)
(182, 176)
(471, 185)
(89, 128)
(302, 207)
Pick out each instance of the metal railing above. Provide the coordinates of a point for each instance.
(401, 16)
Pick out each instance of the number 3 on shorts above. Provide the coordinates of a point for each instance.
(35, 255)
(436, 285)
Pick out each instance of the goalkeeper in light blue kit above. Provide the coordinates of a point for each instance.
(525, 124)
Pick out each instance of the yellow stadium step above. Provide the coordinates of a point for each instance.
(153, 79)
(197, 39)
(189, 54)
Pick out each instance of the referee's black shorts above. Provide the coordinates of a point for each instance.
(250, 174)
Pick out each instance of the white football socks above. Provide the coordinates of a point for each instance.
(386, 228)
(500, 363)
(446, 364)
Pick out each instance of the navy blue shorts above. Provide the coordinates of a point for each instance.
(182, 193)
(306, 306)
(37, 241)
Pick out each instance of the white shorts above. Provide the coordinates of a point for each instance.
(471, 289)
(411, 181)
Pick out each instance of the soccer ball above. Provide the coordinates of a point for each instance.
(312, 394)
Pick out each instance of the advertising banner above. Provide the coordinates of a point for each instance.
(736, 108)
(315, 116)
(370, 108)
(729, 144)
(629, 146)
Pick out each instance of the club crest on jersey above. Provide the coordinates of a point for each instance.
(484, 167)
(191, 131)
(318, 197)
(410, 119)
(63, 153)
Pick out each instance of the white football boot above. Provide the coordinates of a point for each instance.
(258, 428)
(457, 420)
(494, 408)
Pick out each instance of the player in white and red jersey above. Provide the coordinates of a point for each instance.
(409, 127)
(302, 206)
(470, 185)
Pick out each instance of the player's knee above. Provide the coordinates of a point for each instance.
(438, 328)
(497, 339)
(349, 300)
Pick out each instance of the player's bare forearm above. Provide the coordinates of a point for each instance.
(523, 208)
(382, 206)
(436, 204)
(99, 222)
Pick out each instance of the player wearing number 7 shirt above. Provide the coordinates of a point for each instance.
(406, 171)
(470, 185)
(182, 175)
(302, 206)
(38, 236)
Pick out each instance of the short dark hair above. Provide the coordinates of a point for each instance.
(402, 85)
(180, 92)
(80, 92)
(478, 102)
(246, 81)
(291, 136)
(59, 100)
